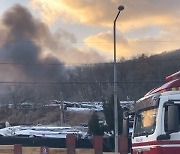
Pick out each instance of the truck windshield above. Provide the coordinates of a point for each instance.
(145, 122)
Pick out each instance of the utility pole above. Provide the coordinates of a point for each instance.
(61, 109)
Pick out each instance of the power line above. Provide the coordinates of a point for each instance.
(76, 82)
(9, 63)
(81, 42)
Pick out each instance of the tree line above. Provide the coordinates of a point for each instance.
(94, 82)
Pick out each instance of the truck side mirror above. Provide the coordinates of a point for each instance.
(173, 118)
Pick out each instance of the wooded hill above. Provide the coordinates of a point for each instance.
(94, 82)
(135, 77)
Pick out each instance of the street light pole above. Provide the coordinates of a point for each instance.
(120, 8)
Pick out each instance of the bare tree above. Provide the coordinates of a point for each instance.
(20, 94)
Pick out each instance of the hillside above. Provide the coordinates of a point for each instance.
(135, 77)
(95, 82)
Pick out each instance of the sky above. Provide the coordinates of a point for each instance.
(81, 31)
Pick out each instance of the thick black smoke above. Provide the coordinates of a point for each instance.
(23, 33)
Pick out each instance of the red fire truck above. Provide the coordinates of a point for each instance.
(156, 127)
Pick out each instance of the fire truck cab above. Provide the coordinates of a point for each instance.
(156, 128)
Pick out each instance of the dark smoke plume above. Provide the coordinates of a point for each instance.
(21, 47)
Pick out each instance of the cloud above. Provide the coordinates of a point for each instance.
(98, 12)
(132, 46)
(144, 25)
(91, 12)
(104, 43)
(136, 15)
